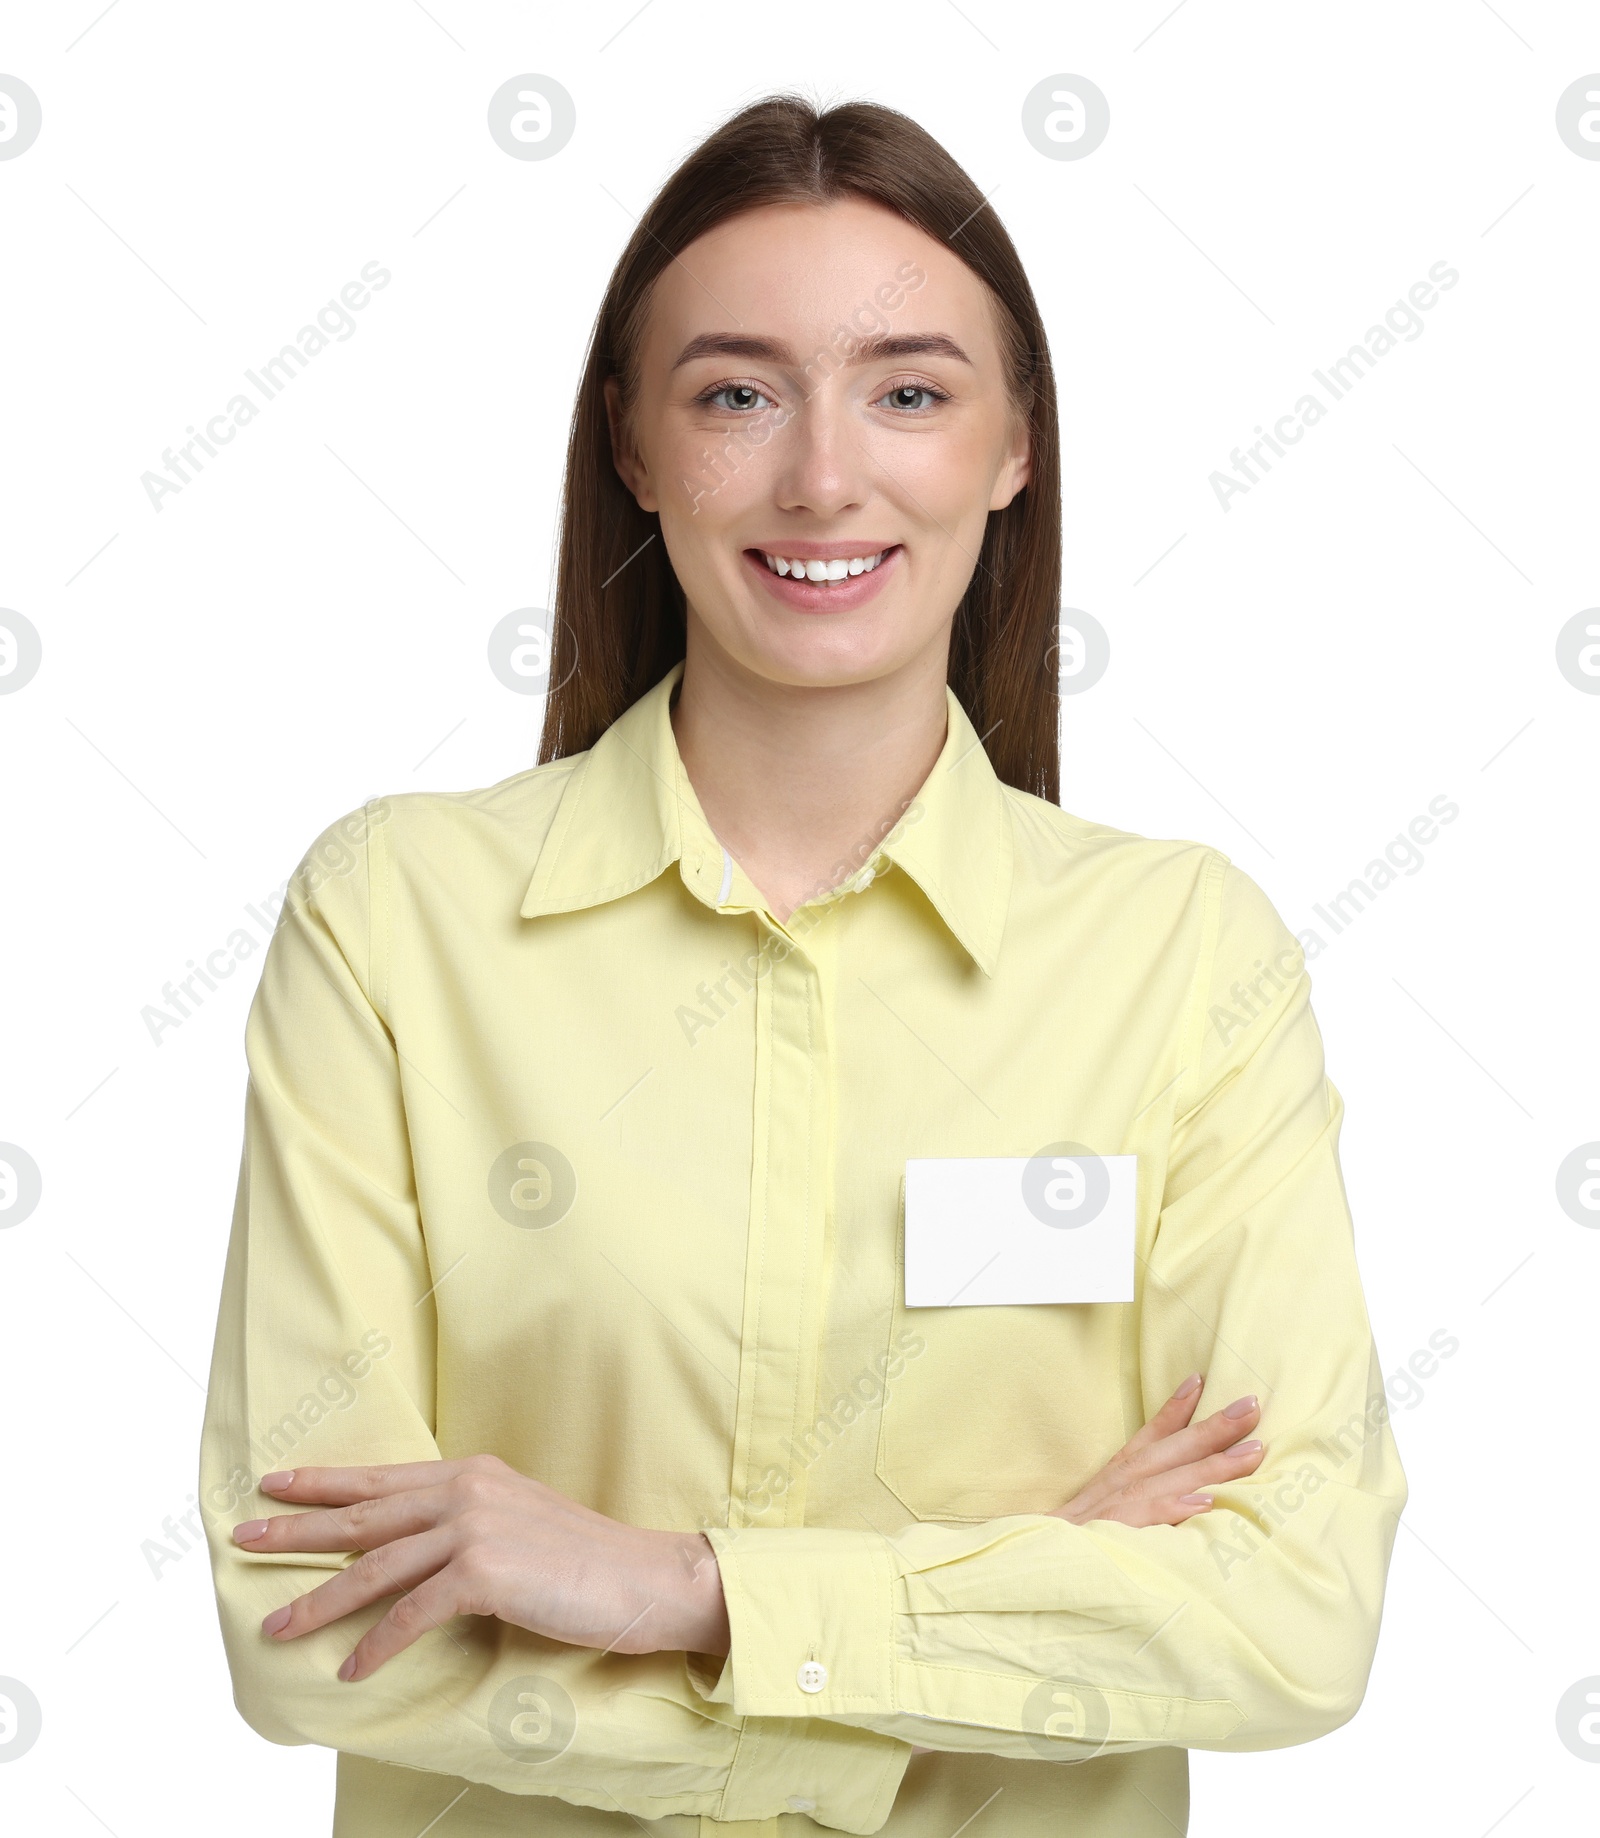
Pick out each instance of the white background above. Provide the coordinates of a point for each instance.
(1370, 627)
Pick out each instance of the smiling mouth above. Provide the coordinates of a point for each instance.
(813, 569)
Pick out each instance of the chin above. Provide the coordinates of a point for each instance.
(830, 666)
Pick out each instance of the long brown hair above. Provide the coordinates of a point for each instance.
(619, 611)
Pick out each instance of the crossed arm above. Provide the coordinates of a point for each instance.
(1193, 1638)
(476, 1537)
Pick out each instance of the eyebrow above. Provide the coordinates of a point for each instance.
(775, 351)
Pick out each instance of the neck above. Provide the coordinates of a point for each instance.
(799, 784)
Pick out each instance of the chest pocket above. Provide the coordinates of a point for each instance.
(993, 1410)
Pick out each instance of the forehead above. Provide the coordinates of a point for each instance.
(798, 271)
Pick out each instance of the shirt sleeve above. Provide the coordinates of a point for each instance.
(324, 1355)
(1250, 1627)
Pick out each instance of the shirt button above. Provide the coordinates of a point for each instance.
(798, 1804)
(812, 1676)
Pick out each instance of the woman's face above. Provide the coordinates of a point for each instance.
(821, 384)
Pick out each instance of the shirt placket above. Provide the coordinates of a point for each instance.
(787, 1259)
(790, 1212)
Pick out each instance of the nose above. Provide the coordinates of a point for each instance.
(822, 465)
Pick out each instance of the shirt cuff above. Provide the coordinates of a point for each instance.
(843, 1777)
(811, 1616)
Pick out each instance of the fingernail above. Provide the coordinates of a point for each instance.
(251, 1528)
(1240, 1407)
(278, 1618)
(347, 1668)
(272, 1481)
(1200, 1501)
(1189, 1386)
(1245, 1448)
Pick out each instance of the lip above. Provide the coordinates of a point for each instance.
(824, 596)
(791, 549)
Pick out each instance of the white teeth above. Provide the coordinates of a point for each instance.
(823, 571)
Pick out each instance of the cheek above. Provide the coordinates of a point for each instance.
(693, 462)
(943, 478)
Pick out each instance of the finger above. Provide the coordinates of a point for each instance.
(1208, 1437)
(1170, 1418)
(1173, 1416)
(342, 1486)
(1142, 1509)
(1178, 1497)
(1168, 1511)
(1169, 1498)
(418, 1612)
(389, 1571)
(1195, 1477)
(357, 1527)
(1166, 1442)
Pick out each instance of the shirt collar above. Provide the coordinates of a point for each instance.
(628, 812)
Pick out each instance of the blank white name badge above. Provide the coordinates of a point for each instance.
(1053, 1227)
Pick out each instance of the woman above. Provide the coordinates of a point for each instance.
(773, 1240)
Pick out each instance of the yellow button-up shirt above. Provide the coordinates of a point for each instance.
(558, 1145)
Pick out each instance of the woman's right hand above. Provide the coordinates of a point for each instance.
(1157, 1479)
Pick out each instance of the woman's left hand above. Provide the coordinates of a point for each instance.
(475, 1537)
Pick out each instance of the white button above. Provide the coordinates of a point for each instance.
(797, 1804)
(813, 1675)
